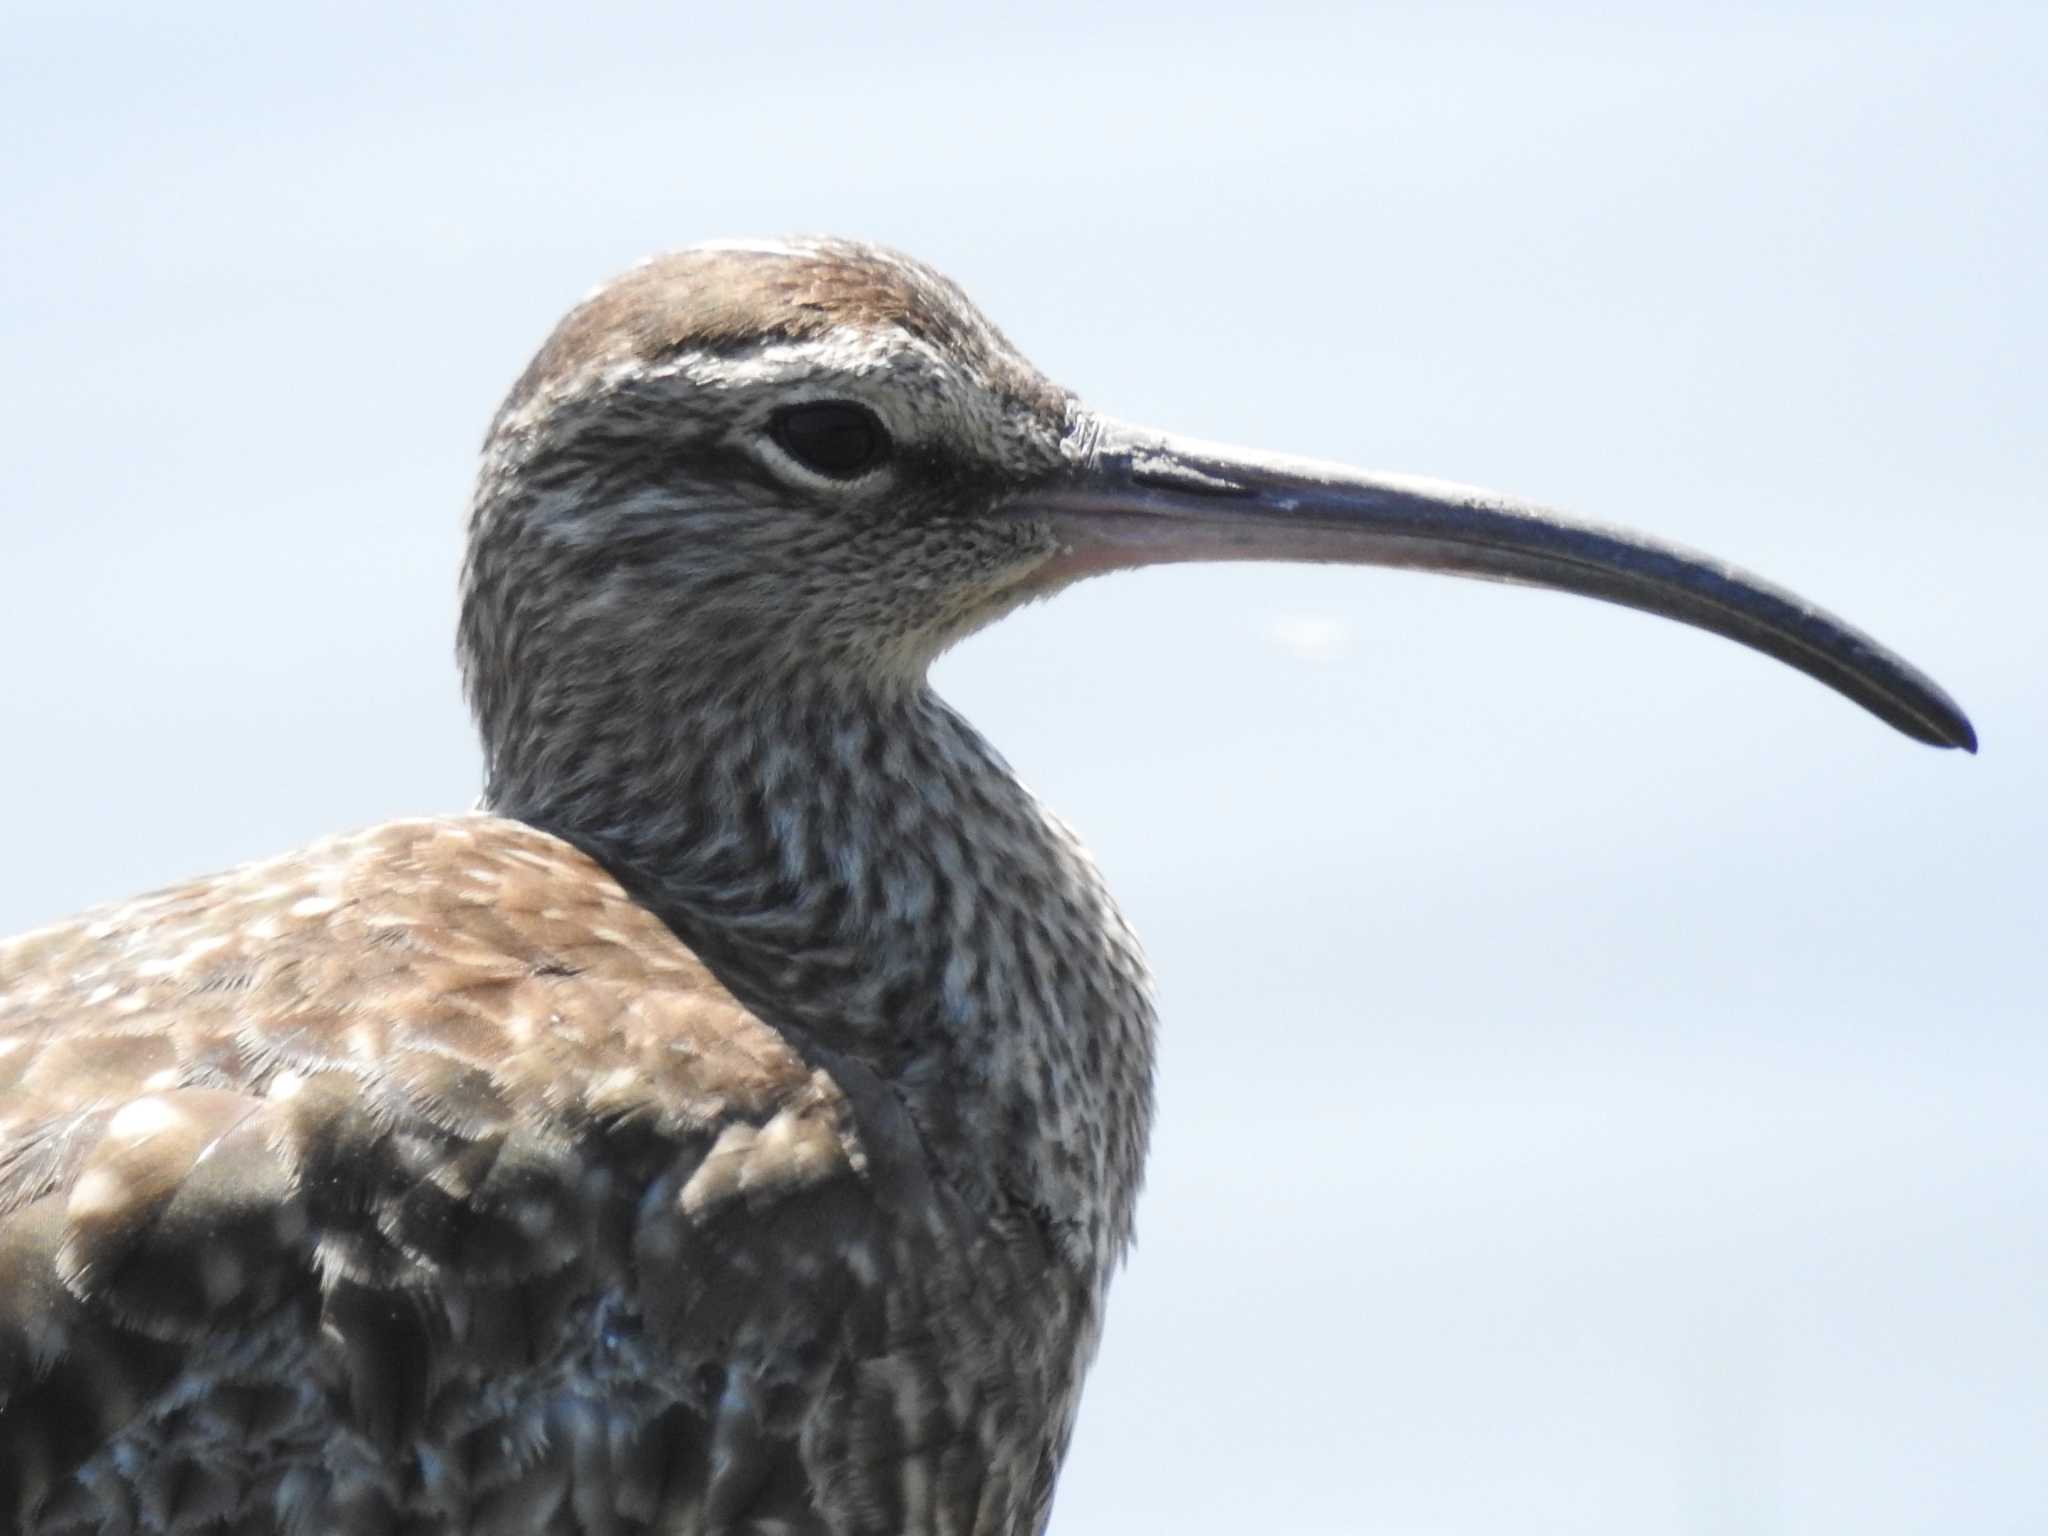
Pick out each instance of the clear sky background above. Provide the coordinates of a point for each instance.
(1605, 1082)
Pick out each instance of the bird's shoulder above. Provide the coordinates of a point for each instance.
(325, 1142)
(470, 969)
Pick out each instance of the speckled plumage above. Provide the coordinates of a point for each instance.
(424, 1175)
(428, 1180)
(733, 1128)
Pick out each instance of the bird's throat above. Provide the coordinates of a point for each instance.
(864, 872)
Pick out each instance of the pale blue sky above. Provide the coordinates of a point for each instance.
(1605, 1086)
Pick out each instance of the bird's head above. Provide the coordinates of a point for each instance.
(747, 465)
(745, 458)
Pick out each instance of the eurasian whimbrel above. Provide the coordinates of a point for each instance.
(734, 1126)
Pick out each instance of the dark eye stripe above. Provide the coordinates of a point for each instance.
(836, 438)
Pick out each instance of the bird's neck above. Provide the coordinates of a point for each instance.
(864, 871)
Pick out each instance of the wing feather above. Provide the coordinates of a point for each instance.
(420, 1174)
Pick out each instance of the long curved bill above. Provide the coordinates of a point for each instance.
(1140, 497)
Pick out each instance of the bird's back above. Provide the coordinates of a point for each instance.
(424, 1180)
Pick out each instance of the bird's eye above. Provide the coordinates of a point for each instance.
(835, 438)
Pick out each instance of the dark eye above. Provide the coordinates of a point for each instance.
(832, 437)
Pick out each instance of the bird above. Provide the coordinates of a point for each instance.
(734, 1122)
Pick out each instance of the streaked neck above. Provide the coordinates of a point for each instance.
(862, 869)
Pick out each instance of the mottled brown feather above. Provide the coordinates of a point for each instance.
(381, 1147)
